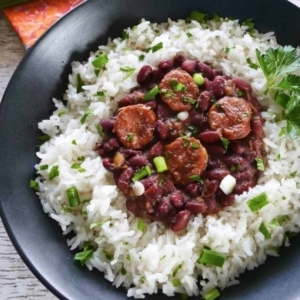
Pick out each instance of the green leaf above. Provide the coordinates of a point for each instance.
(99, 130)
(83, 256)
(258, 202)
(260, 164)
(80, 83)
(54, 172)
(86, 114)
(125, 35)
(176, 270)
(100, 61)
(157, 47)
(141, 57)
(34, 185)
(290, 82)
(281, 98)
(263, 229)
(198, 16)
(216, 18)
(277, 62)
(291, 115)
(225, 143)
(141, 225)
(128, 71)
(250, 25)
(211, 295)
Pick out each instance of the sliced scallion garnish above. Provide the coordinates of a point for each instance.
(212, 294)
(141, 225)
(157, 47)
(54, 172)
(258, 202)
(100, 61)
(198, 78)
(151, 94)
(129, 137)
(34, 185)
(79, 88)
(43, 167)
(143, 172)
(128, 71)
(123, 271)
(176, 270)
(225, 143)
(263, 229)
(176, 282)
(160, 164)
(86, 114)
(74, 142)
(196, 178)
(108, 255)
(210, 257)
(85, 254)
(73, 197)
(260, 164)
(99, 130)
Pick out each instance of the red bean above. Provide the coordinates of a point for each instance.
(197, 206)
(107, 125)
(197, 119)
(244, 186)
(162, 129)
(154, 192)
(204, 100)
(250, 156)
(149, 181)
(127, 100)
(236, 161)
(216, 150)
(166, 64)
(210, 137)
(180, 220)
(151, 104)
(210, 188)
(217, 174)
(156, 150)
(257, 129)
(144, 74)
(212, 205)
(138, 161)
(218, 72)
(114, 143)
(108, 164)
(218, 86)
(247, 174)
(227, 200)
(192, 189)
(189, 66)
(164, 112)
(177, 199)
(179, 59)
(242, 84)
(164, 208)
(124, 180)
(213, 164)
(206, 70)
(207, 84)
(167, 186)
(130, 152)
(158, 74)
(237, 147)
(107, 147)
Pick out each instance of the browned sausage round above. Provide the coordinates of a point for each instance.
(177, 97)
(231, 116)
(135, 126)
(185, 157)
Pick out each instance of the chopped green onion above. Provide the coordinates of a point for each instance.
(160, 164)
(216, 18)
(125, 35)
(143, 172)
(278, 221)
(188, 100)
(66, 208)
(250, 25)
(86, 114)
(142, 280)
(141, 225)
(196, 178)
(240, 93)
(293, 174)
(128, 257)
(84, 213)
(61, 112)
(212, 258)
(74, 142)
(129, 137)
(184, 296)
(198, 78)
(198, 16)
(108, 255)
(151, 94)
(73, 197)
(177, 86)
(176, 282)
(282, 132)
(263, 229)
(283, 198)
(177, 268)
(84, 255)
(100, 94)
(93, 225)
(162, 258)
(225, 143)
(54, 172)
(78, 167)
(100, 61)
(43, 167)
(44, 138)
(81, 158)
(128, 71)
(34, 185)
(96, 71)
(99, 130)
(157, 47)
(260, 164)
(258, 202)
(123, 271)
(195, 145)
(80, 83)
(211, 295)
(189, 35)
(167, 93)
(141, 57)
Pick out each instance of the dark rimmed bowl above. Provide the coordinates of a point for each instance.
(42, 75)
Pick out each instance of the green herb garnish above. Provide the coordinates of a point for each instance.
(152, 93)
(125, 35)
(43, 167)
(141, 225)
(176, 282)
(108, 255)
(211, 295)
(86, 114)
(160, 164)
(54, 172)
(251, 64)
(73, 197)
(74, 142)
(225, 143)
(141, 57)
(210, 257)
(157, 47)
(143, 172)
(99, 130)
(80, 83)
(198, 16)
(260, 164)
(100, 61)
(196, 178)
(176, 270)
(258, 202)
(34, 185)
(263, 229)
(128, 71)
(85, 254)
(250, 25)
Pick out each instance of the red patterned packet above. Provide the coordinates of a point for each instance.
(32, 19)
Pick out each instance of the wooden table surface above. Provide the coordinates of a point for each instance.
(16, 281)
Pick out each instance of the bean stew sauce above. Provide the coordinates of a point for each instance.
(175, 138)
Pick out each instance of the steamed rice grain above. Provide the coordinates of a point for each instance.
(150, 257)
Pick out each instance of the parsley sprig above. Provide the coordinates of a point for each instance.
(278, 66)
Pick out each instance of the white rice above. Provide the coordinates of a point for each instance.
(150, 258)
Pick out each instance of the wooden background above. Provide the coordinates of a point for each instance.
(16, 281)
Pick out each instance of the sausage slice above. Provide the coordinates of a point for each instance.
(185, 157)
(178, 89)
(231, 116)
(135, 126)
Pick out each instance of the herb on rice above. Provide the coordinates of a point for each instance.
(176, 282)
(73, 196)
(213, 258)
(77, 166)
(100, 61)
(293, 174)
(189, 35)
(60, 113)
(85, 254)
(79, 88)
(258, 202)
(54, 172)
(216, 18)
(125, 35)
(141, 225)
(199, 17)
(99, 130)
(108, 255)
(263, 229)
(100, 94)
(260, 164)
(74, 142)
(128, 71)
(176, 270)
(123, 271)
(44, 138)
(250, 25)
(211, 295)
(43, 167)
(155, 47)
(34, 185)
(278, 221)
(141, 57)
(152, 93)
(86, 114)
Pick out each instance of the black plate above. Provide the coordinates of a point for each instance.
(43, 75)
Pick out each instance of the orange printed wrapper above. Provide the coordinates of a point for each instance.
(32, 19)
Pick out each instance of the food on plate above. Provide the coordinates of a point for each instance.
(173, 156)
